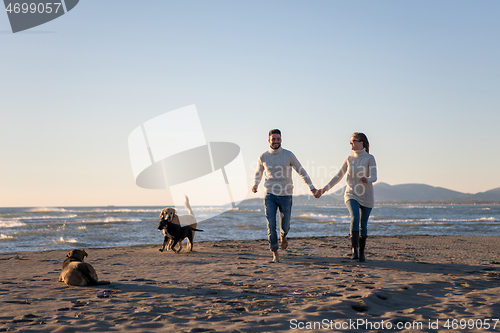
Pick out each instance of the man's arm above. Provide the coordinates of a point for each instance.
(258, 175)
(294, 162)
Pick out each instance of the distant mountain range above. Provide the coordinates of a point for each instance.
(402, 193)
(422, 192)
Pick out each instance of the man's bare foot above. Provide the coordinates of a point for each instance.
(276, 257)
(284, 243)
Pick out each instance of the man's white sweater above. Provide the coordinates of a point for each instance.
(277, 165)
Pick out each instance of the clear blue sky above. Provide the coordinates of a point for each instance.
(420, 78)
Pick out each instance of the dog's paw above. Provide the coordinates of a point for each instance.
(161, 250)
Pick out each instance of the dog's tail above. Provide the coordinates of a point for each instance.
(100, 283)
(187, 205)
(93, 282)
(196, 229)
(90, 279)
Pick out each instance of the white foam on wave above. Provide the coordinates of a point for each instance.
(46, 210)
(2, 236)
(11, 223)
(415, 221)
(482, 219)
(318, 217)
(61, 240)
(117, 210)
(330, 206)
(433, 221)
(488, 219)
(111, 220)
(244, 210)
(422, 206)
(51, 217)
(208, 209)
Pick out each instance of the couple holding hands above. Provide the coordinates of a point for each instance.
(277, 164)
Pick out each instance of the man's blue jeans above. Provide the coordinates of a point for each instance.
(272, 203)
(359, 217)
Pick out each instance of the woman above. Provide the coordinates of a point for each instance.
(361, 171)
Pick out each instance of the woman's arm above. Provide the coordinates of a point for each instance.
(338, 177)
(372, 168)
(372, 171)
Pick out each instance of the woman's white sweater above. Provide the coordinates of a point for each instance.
(359, 164)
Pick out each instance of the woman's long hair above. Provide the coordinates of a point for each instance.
(362, 137)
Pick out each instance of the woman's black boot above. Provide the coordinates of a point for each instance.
(362, 244)
(354, 244)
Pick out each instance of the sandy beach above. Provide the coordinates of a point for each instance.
(408, 284)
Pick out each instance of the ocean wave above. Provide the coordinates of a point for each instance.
(6, 237)
(251, 227)
(482, 219)
(489, 219)
(330, 206)
(109, 220)
(61, 240)
(435, 221)
(318, 217)
(423, 206)
(209, 209)
(46, 210)
(419, 221)
(244, 210)
(11, 224)
(49, 217)
(117, 210)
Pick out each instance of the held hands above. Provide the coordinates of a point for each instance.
(364, 180)
(254, 189)
(318, 193)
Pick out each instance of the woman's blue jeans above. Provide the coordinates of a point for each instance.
(272, 203)
(359, 217)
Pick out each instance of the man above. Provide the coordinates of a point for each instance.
(277, 163)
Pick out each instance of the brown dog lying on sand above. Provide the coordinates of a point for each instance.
(170, 214)
(75, 272)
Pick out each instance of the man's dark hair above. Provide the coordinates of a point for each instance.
(274, 131)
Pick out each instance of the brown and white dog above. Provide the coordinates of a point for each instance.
(170, 214)
(75, 272)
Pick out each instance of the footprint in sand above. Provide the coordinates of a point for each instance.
(382, 296)
(359, 307)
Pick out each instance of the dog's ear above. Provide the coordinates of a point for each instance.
(84, 254)
(70, 253)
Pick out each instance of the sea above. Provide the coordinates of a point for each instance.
(54, 228)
